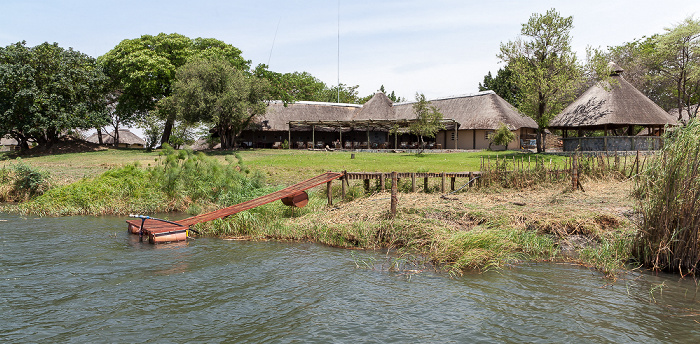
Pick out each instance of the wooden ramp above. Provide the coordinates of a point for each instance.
(158, 231)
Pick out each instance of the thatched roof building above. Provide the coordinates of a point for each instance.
(482, 111)
(127, 139)
(464, 116)
(611, 105)
(684, 117)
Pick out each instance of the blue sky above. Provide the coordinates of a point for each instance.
(439, 48)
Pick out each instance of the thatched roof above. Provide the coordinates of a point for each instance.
(278, 116)
(482, 111)
(7, 141)
(684, 112)
(611, 104)
(125, 136)
(379, 107)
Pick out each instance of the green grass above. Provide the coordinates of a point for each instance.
(282, 167)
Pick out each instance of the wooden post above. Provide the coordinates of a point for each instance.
(471, 179)
(366, 185)
(381, 182)
(329, 191)
(413, 182)
(574, 172)
(313, 137)
(453, 180)
(290, 138)
(343, 181)
(442, 188)
(425, 184)
(394, 191)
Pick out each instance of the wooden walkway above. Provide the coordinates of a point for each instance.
(154, 227)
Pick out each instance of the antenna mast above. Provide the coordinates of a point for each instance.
(338, 51)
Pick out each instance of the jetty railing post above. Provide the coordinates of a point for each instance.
(442, 187)
(329, 191)
(413, 182)
(343, 181)
(394, 191)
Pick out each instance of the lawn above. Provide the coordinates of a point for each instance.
(281, 166)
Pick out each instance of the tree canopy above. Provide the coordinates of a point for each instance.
(143, 70)
(677, 59)
(216, 92)
(47, 91)
(545, 68)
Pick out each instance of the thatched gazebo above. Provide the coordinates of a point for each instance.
(614, 107)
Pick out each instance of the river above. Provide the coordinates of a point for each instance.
(85, 280)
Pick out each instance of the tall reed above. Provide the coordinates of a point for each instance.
(668, 190)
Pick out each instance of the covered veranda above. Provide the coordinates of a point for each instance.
(351, 128)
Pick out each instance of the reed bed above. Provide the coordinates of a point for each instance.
(668, 189)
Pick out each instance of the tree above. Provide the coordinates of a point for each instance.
(428, 119)
(677, 59)
(503, 85)
(501, 137)
(215, 92)
(47, 91)
(545, 68)
(290, 87)
(143, 69)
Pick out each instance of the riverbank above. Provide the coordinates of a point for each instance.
(475, 228)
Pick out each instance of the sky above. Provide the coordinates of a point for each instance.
(438, 48)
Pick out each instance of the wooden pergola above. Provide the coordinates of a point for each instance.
(395, 125)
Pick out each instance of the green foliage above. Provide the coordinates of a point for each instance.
(545, 68)
(428, 119)
(46, 91)
(143, 70)
(21, 182)
(213, 91)
(668, 190)
(502, 136)
(181, 181)
(503, 84)
(676, 57)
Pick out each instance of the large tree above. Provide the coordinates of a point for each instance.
(143, 70)
(215, 92)
(47, 91)
(677, 59)
(545, 68)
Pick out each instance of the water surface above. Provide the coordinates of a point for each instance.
(85, 280)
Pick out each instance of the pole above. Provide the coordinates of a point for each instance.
(394, 191)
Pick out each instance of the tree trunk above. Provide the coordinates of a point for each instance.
(99, 136)
(167, 129)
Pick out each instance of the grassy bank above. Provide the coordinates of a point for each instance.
(476, 229)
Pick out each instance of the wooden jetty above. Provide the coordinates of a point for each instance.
(166, 231)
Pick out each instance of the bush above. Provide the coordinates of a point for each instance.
(21, 182)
